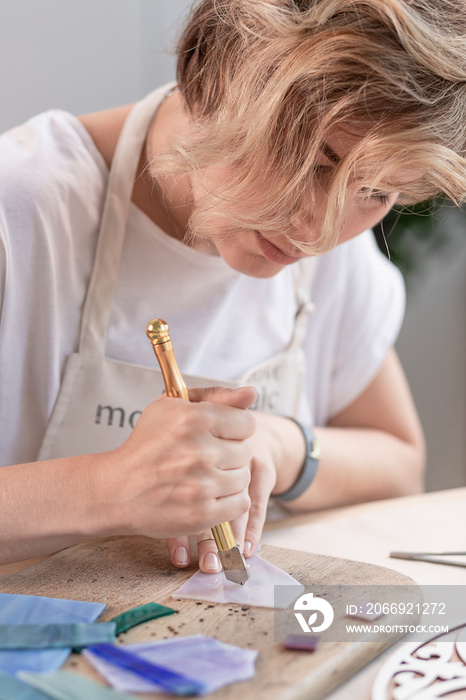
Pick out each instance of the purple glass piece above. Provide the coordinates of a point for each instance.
(303, 642)
(206, 660)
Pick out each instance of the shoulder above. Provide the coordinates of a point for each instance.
(358, 268)
(54, 133)
(104, 129)
(44, 156)
(370, 304)
(51, 173)
(359, 298)
(371, 274)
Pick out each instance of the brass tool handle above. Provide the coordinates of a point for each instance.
(158, 333)
(224, 537)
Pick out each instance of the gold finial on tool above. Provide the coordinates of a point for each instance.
(159, 335)
(157, 331)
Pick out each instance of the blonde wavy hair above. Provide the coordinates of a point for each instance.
(268, 82)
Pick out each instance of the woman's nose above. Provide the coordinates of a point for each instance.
(303, 229)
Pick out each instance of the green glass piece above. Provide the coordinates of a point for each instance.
(64, 685)
(12, 688)
(76, 635)
(136, 616)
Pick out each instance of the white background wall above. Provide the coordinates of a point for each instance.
(83, 55)
(86, 55)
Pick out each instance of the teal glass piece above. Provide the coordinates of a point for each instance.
(136, 616)
(17, 609)
(12, 688)
(64, 685)
(76, 635)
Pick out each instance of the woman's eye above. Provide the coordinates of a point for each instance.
(381, 198)
(320, 169)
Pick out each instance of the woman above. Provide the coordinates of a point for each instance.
(234, 204)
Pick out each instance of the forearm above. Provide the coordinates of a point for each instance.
(174, 476)
(360, 464)
(47, 506)
(372, 449)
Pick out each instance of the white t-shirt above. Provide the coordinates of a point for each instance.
(52, 188)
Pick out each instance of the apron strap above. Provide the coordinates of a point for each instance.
(112, 230)
(303, 273)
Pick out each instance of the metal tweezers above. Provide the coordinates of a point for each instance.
(433, 557)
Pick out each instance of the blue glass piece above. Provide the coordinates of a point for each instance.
(167, 680)
(18, 609)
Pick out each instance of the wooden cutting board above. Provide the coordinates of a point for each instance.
(129, 571)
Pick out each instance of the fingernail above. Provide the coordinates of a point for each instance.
(247, 547)
(180, 556)
(211, 562)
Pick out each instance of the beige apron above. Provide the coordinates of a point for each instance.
(100, 399)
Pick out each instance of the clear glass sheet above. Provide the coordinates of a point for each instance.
(204, 659)
(31, 610)
(258, 591)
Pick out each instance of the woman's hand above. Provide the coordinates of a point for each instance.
(277, 445)
(247, 529)
(185, 467)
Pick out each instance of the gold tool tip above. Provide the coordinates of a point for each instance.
(157, 331)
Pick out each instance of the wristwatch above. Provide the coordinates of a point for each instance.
(309, 468)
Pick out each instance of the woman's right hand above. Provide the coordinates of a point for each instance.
(185, 467)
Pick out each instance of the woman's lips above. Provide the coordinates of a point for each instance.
(274, 254)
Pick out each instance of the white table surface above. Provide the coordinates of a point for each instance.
(432, 522)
